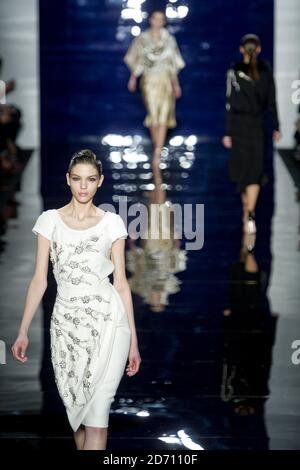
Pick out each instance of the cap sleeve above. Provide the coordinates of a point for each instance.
(43, 225)
(118, 229)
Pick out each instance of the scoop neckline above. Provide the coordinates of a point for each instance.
(79, 230)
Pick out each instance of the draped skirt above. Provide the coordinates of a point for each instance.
(159, 99)
(90, 341)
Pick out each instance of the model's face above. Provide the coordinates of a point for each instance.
(84, 181)
(157, 20)
(256, 51)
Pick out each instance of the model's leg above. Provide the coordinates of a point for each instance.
(160, 141)
(153, 133)
(245, 206)
(95, 438)
(251, 265)
(79, 437)
(155, 147)
(161, 135)
(252, 192)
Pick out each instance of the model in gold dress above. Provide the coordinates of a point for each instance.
(155, 57)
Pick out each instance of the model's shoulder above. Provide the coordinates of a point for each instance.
(48, 212)
(238, 65)
(264, 66)
(47, 215)
(167, 35)
(115, 219)
(141, 36)
(113, 215)
(231, 70)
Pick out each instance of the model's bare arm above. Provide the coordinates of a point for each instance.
(122, 286)
(35, 292)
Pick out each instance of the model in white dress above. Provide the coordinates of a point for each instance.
(89, 330)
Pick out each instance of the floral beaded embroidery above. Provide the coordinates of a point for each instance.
(63, 270)
(82, 312)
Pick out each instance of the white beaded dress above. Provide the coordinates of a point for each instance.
(89, 329)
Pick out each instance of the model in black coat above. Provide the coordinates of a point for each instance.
(250, 94)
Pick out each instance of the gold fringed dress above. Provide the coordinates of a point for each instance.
(157, 63)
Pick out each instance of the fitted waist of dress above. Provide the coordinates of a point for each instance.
(156, 71)
(65, 289)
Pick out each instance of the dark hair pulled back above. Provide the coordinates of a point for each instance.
(85, 156)
(251, 42)
(253, 70)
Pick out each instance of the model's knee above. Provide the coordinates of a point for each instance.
(93, 431)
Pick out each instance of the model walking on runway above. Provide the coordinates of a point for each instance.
(155, 57)
(250, 94)
(92, 324)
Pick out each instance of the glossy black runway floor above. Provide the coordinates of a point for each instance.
(215, 335)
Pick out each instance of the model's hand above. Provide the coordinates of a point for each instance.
(227, 142)
(6, 113)
(276, 136)
(177, 90)
(19, 348)
(10, 85)
(134, 360)
(132, 84)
